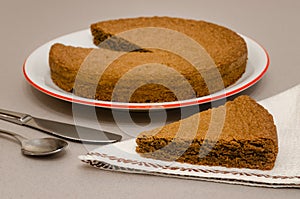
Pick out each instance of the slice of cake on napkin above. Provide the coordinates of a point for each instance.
(239, 134)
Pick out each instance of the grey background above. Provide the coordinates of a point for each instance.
(25, 25)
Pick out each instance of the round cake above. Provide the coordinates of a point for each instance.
(150, 59)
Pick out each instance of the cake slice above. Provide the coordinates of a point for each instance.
(226, 48)
(71, 71)
(239, 134)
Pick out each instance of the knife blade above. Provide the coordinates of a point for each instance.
(63, 130)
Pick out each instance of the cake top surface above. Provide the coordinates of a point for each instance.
(224, 45)
(76, 57)
(238, 120)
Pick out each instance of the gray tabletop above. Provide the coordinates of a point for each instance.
(28, 24)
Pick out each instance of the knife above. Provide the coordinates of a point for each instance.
(63, 130)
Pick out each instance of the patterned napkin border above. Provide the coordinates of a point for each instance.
(101, 161)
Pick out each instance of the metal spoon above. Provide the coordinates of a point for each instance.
(38, 147)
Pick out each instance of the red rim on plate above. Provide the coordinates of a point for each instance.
(146, 106)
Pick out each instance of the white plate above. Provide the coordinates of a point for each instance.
(37, 73)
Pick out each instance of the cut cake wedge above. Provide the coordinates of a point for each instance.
(239, 134)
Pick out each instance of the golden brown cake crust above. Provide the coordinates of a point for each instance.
(248, 137)
(222, 44)
(64, 64)
(227, 49)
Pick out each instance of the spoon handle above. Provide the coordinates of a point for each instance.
(16, 136)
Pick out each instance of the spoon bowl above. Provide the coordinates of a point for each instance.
(39, 146)
(43, 146)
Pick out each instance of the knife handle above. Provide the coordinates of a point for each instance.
(14, 117)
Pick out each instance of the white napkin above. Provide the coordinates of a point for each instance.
(285, 108)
